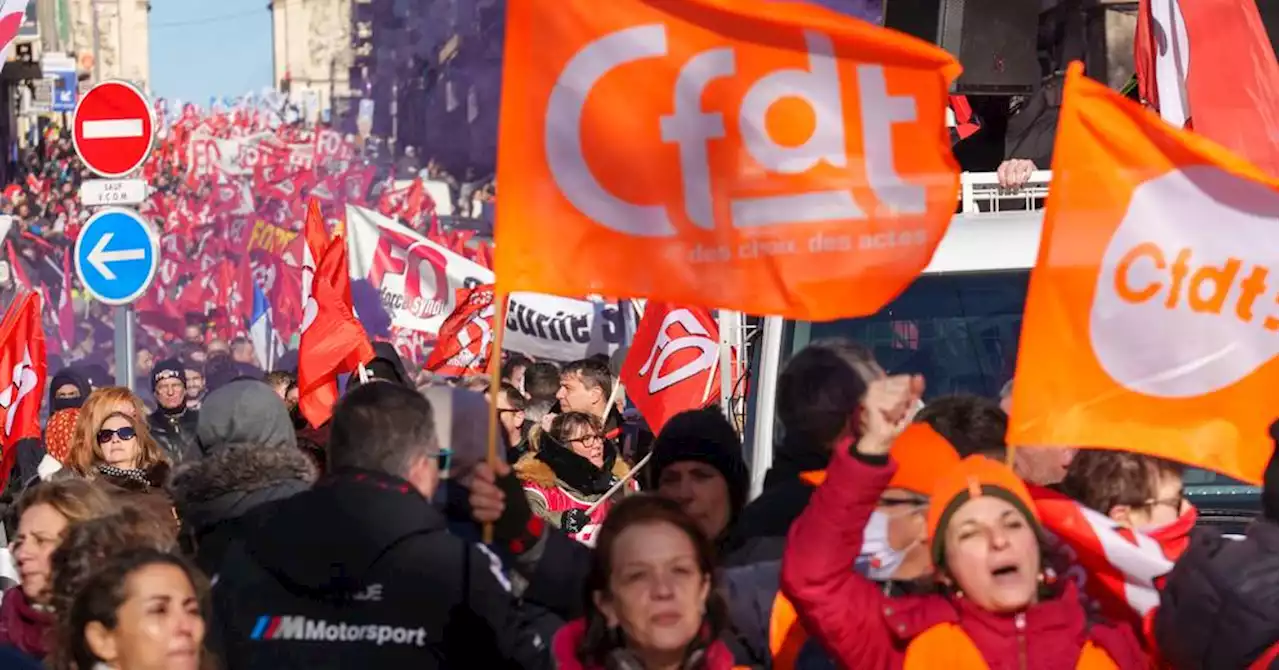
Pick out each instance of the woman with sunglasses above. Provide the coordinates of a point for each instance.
(97, 407)
(572, 469)
(129, 464)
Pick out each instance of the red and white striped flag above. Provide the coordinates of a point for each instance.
(1121, 570)
(465, 341)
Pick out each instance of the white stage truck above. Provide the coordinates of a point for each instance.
(958, 325)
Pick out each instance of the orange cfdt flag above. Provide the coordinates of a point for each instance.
(1151, 321)
(775, 158)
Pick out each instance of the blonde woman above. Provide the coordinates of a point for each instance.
(128, 463)
(101, 403)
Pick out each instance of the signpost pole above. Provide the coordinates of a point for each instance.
(124, 344)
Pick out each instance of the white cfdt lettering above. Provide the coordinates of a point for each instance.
(1185, 300)
(820, 87)
(563, 136)
(692, 129)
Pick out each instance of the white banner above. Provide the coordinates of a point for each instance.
(242, 155)
(416, 279)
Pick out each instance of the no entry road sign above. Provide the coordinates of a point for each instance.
(116, 256)
(113, 128)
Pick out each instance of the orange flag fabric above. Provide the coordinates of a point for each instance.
(333, 341)
(774, 158)
(1151, 321)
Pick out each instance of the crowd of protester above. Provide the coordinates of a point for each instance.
(221, 530)
(200, 521)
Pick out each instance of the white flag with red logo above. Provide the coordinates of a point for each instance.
(1119, 569)
(23, 374)
(673, 364)
(466, 336)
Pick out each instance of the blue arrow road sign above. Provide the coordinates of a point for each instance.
(116, 256)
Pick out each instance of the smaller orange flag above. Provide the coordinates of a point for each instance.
(768, 157)
(1151, 321)
(333, 341)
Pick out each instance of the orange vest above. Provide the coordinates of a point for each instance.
(786, 635)
(946, 645)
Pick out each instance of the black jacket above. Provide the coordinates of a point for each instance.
(760, 532)
(361, 572)
(1218, 608)
(214, 493)
(176, 434)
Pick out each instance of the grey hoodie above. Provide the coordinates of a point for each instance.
(246, 411)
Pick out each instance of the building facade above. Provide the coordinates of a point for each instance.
(110, 39)
(312, 48)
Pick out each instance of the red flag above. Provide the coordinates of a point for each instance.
(1209, 65)
(23, 375)
(316, 237)
(465, 342)
(673, 364)
(1120, 570)
(333, 341)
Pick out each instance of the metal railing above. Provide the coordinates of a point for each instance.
(980, 193)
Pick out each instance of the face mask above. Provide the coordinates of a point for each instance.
(878, 560)
(1175, 535)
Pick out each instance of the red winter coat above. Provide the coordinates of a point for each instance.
(863, 628)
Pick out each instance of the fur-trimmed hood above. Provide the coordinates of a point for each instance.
(235, 479)
(533, 470)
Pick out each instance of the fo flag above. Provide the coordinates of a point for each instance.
(333, 341)
(465, 341)
(673, 362)
(22, 376)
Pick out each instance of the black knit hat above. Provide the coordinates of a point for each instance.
(170, 368)
(1269, 485)
(705, 436)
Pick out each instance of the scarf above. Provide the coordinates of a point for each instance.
(124, 473)
(579, 473)
(22, 625)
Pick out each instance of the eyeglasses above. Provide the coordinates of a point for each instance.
(1175, 502)
(125, 434)
(586, 440)
(444, 458)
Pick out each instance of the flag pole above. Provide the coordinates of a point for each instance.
(495, 387)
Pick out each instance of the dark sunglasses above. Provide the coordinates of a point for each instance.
(125, 434)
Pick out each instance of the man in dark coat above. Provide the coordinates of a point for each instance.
(173, 425)
(361, 571)
(1218, 608)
